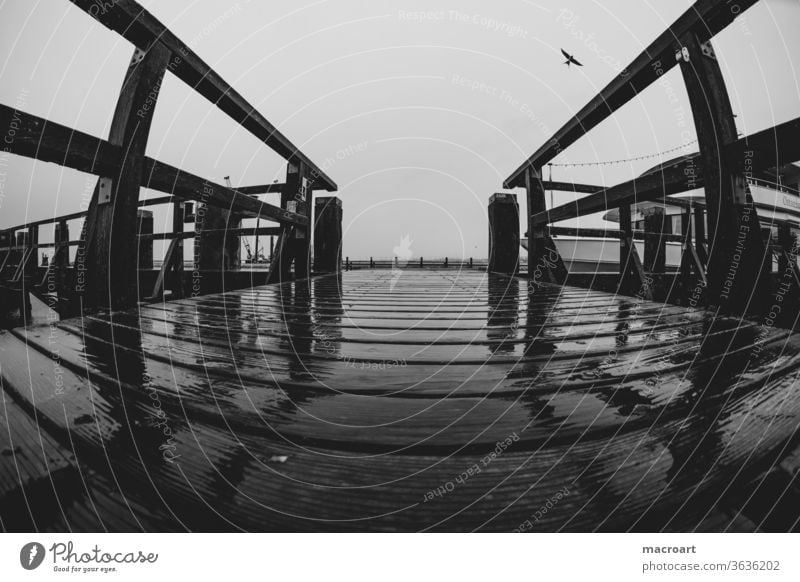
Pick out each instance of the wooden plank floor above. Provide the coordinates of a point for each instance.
(413, 400)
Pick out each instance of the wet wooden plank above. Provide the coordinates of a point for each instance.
(635, 413)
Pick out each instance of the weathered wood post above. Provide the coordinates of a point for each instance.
(632, 279)
(32, 248)
(327, 234)
(178, 220)
(625, 249)
(107, 273)
(6, 242)
(656, 224)
(700, 234)
(688, 254)
(61, 258)
(785, 242)
(543, 257)
(503, 234)
(219, 251)
(61, 253)
(144, 220)
(30, 255)
(294, 242)
(18, 256)
(736, 266)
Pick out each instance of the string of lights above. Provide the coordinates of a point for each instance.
(627, 160)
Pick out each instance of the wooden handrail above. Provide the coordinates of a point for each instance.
(82, 214)
(51, 142)
(779, 145)
(705, 18)
(264, 230)
(131, 21)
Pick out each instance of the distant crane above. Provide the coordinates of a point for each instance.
(252, 257)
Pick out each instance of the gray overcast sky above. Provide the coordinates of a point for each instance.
(418, 117)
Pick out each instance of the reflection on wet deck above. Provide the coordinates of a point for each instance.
(377, 402)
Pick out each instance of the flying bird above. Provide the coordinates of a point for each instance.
(570, 59)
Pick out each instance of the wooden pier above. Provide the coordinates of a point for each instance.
(436, 396)
(441, 400)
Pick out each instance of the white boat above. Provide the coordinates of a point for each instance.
(776, 195)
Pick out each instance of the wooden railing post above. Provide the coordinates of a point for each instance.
(632, 279)
(503, 234)
(144, 220)
(219, 250)
(60, 260)
(177, 288)
(32, 245)
(737, 279)
(107, 273)
(6, 241)
(544, 259)
(700, 235)
(294, 242)
(328, 234)
(656, 223)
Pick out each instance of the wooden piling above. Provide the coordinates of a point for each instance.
(503, 233)
(327, 234)
(178, 220)
(144, 220)
(656, 222)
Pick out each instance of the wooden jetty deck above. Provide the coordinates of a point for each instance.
(394, 400)
(399, 400)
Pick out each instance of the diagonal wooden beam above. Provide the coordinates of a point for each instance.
(106, 264)
(670, 180)
(129, 19)
(166, 178)
(570, 187)
(262, 189)
(47, 141)
(40, 139)
(762, 150)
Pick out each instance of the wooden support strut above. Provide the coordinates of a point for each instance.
(692, 269)
(328, 235)
(543, 256)
(294, 243)
(503, 234)
(737, 278)
(632, 278)
(106, 267)
(177, 288)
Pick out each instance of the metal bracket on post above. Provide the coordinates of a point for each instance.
(682, 55)
(104, 190)
(708, 50)
(138, 57)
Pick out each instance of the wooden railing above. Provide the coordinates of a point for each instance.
(109, 242)
(734, 273)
